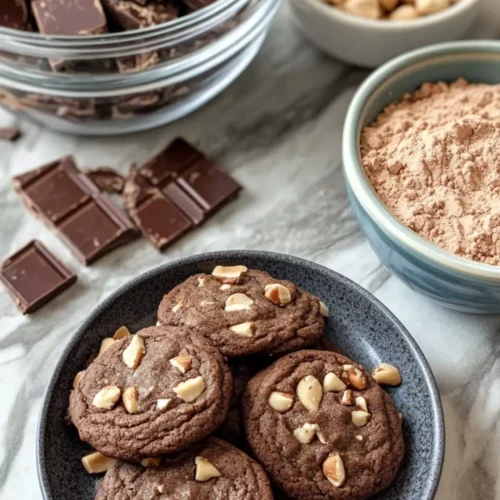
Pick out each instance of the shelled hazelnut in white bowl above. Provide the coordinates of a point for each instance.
(392, 10)
(370, 32)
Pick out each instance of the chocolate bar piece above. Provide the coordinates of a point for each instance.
(69, 17)
(208, 185)
(68, 201)
(96, 228)
(55, 190)
(130, 16)
(157, 217)
(33, 277)
(176, 190)
(14, 14)
(173, 160)
(9, 134)
(107, 179)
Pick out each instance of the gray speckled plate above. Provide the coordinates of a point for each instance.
(364, 329)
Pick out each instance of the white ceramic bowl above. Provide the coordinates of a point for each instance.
(370, 43)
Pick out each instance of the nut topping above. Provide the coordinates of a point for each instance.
(205, 470)
(387, 374)
(177, 306)
(230, 275)
(333, 469)
(238, 302)
(95, 463)
(105, 345)
(161, 404)
(354, 377)
(107, 397)
(182, 363)
(306, 433)
(244, 329)
(129, 399)
(323, 309)
(122, 333)
(281, 401)
(332, 383)
(360, 403)
(359, 437)
(201, 282)
(360, 418)
(133, 354)
(78, 377)
(347, 398)
(278, 293)
(190, 389)
(310, 393)
(225, 286)
(151, 462)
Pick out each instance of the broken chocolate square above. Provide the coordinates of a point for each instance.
(95, 229)
(33, 277)
(208, 185)
(54, 190)
(157, 217)
(107, 179)
(69, 17)
(173, 160)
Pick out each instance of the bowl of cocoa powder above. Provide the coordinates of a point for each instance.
(421, 156)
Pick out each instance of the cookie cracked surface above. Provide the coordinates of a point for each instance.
(322, 427)
(212, 470)
(245, 313)
(152, 393)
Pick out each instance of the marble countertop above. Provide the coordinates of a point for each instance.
(277, 129)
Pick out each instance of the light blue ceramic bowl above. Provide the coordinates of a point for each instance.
(452, 281)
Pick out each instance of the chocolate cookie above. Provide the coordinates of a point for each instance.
(152, 393)
(212, 470)
(245, 312)
(322, 427)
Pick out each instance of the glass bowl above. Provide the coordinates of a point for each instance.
(135, 80)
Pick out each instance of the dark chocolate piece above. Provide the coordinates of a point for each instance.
(14, 14)
(68, 201)
(33, 277)
(55, 190)
(178, 196)
(10, 133)
(96, 228)
(69, 17)
(107, 179)
(173, 160)
(157, 217)
(208, 185)
(130, 16)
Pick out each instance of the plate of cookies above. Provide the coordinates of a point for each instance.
(241, 375)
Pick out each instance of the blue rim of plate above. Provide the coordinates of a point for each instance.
(439, 431)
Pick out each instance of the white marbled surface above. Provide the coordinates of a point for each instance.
(277, 129)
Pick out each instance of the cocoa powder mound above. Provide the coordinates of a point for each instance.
(434, 160)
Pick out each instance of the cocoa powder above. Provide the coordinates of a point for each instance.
(434, 160)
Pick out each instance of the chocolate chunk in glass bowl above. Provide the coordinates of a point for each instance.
(14, 14)
(69, 17)
(130, 16)
(33, 277)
